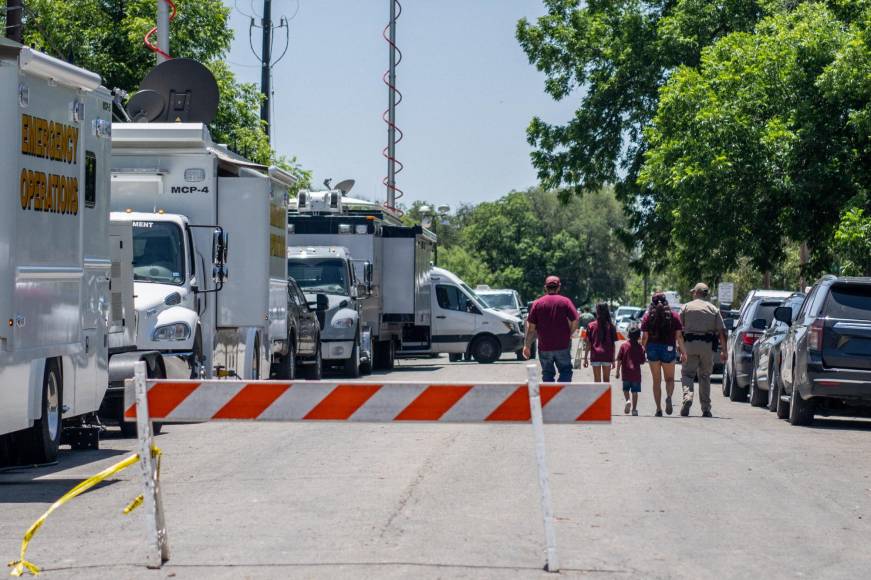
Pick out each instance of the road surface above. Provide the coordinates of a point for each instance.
(741, 495)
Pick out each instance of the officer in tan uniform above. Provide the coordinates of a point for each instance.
(702, 326)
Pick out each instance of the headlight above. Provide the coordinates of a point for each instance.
(177, 331)
(343, 322)
(511, 326)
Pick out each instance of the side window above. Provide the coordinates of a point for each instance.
(805, 307)
(301, 298)
(90, 179)
(449, 297)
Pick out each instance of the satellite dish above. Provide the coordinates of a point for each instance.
(145, 106)
(345, 186)
(189, 91)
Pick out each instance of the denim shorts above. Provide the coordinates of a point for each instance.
(632, 386)
(600, 364)
(661, 353)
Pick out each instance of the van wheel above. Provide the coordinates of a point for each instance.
(757, 396)
(801, 412)
(315, 371)
(41, 441)
(455, 356)
(486, 350)
(352, 364)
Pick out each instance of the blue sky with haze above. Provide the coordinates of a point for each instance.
(469, 93)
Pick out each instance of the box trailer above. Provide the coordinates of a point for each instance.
(65, 291)
(186, 198)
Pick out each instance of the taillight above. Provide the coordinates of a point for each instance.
(748, 338)
(815, 335)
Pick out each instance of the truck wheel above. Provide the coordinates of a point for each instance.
(41, 441)
(801, 412)
(486, 350)
(758, 397)
(197, 362)
(385, 355)
(315, 372)
(352, 364)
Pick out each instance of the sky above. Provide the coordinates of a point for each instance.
(468, 89)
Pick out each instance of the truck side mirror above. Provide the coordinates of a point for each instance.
(783, 314)
(219, 274)
(322, 302)
(220, 246)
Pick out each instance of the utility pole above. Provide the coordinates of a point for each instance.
(162, 30)
(391, 111)
(14, 8)
(266, 64)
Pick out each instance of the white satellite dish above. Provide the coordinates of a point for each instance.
(345, 186)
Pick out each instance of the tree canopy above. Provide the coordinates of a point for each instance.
(106, 36)
(730, 128)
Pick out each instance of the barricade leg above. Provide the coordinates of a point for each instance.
(157, 551)
(552, 564)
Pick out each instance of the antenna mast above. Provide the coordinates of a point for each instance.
(162, 31)
(394, 97)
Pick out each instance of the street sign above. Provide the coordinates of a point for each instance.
(726, 292)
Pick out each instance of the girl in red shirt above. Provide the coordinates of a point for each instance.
(601, 336)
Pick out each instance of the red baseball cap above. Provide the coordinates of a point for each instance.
(552, 282)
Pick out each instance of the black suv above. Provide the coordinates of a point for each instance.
(304, 331)
(767, 357)
(826, 365)
(754, 319)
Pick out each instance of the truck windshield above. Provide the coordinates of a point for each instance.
(327, 276)
(158, 253)
(499, 300)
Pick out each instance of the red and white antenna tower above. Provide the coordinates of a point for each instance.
(394, 97)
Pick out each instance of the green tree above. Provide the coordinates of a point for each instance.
(853, 243)
(745, 151)
(106, 36)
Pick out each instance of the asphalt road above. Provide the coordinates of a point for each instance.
(742, 495)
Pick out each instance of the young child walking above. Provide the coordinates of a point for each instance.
(629, 361)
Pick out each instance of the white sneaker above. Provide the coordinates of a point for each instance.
(627, 407)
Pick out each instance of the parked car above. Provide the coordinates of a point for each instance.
(751, 324)
(508, 301)
(729, 319)
(626, 315)
(767, 356)
(827, 352)
(754, 295)
(304, 330)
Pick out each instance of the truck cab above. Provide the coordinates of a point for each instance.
(166, 281)
(328, 278)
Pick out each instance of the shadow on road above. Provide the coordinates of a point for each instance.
(42, 490)
(841, 424)
(67, 459)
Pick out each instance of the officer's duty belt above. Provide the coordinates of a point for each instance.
(700, 337)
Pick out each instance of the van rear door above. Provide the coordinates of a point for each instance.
(847, 327)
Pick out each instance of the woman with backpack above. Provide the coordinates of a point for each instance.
(662, 339)
(601, 337)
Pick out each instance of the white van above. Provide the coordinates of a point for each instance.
(462, 323)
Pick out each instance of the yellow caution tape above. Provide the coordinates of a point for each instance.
(20, 566)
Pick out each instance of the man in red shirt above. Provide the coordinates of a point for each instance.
(554, 319)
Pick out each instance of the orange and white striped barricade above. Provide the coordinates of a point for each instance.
(198, 401)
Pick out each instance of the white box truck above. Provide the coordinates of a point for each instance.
(407, 306)
(186, 197)
(65, 288)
